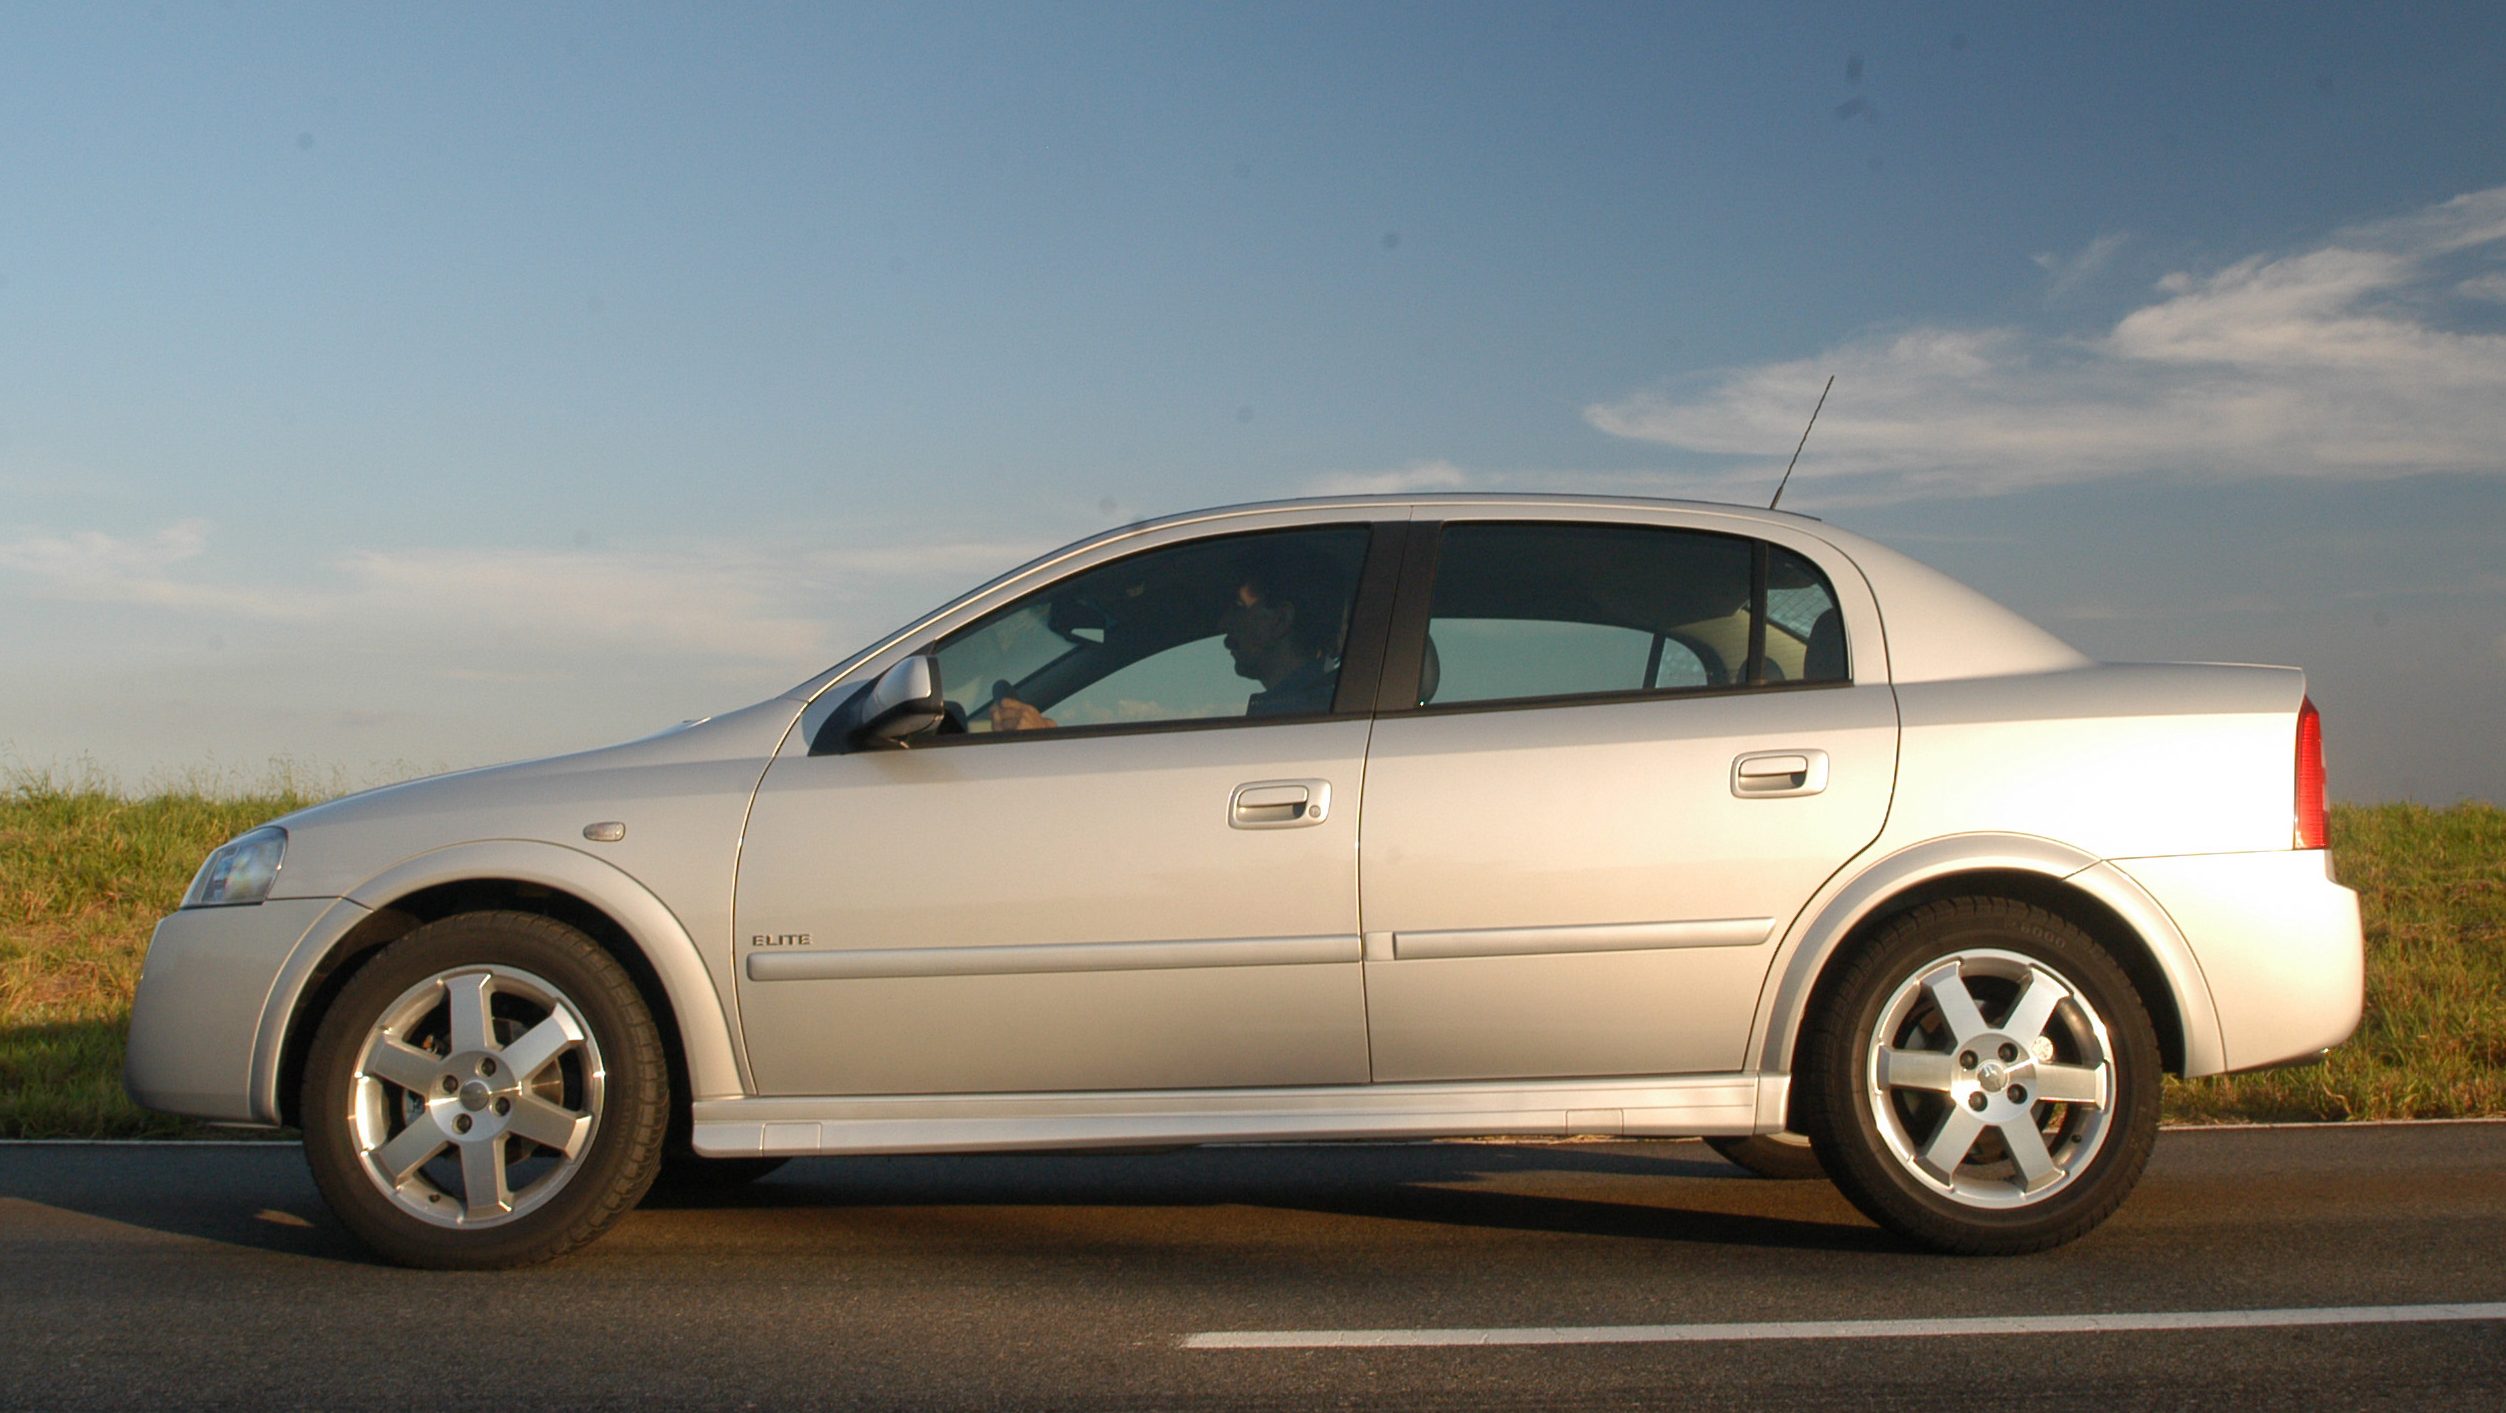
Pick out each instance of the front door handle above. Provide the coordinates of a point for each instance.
(1769, 774)
(1279, 804)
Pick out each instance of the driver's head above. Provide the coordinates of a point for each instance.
(1285, 610)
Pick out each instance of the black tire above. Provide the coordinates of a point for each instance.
(1785, 1157)
(543, 1112)
(1931, 1140)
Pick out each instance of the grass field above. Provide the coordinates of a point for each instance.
(85, 873)
(84, 876)
(2432, 885)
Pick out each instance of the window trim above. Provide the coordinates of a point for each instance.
(1405, 658)
(1664, 694)
(1753, 672)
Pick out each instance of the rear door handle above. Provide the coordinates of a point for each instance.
(1768, 774)
(1279, 804)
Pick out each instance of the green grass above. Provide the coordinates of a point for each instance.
(84, 875)
(2432, 886)
(85, 872)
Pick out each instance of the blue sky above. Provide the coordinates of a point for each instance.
(386, 389)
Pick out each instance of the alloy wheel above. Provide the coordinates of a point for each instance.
(475, 1095)
(1992, 1078)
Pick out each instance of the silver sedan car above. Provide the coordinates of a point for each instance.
(1328, 819)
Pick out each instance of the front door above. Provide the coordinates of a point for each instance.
(1131, 865)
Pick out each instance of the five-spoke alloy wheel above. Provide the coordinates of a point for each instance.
(1982, 1078)
(488, 1091)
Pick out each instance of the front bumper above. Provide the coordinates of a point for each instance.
(198, 1025)
(2277, 940)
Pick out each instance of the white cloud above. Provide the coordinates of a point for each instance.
(100, 568)
(2472, 219)
(2330, 363)
(700, 603)
(730, 602)
(2069, 272)
(88, 556)
(2491, 286)
(1437, 475)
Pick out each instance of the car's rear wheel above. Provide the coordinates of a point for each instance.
(1784, 1156)
(488, 1091)
(1982, 1078)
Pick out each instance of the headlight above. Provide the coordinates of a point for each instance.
(241, 872)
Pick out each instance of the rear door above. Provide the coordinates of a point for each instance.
(1615, 758)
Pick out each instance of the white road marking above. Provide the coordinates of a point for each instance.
(275, 1145)
(1851, 1329)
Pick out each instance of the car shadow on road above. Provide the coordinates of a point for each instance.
(260, 1197)
(255, 1195)
(1665, 1192)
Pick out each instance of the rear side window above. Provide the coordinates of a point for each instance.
(1529, 611)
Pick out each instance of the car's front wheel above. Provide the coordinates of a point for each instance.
(1983, 1078)
(488, 1091)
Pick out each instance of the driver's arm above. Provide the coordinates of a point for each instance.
(1011, 714)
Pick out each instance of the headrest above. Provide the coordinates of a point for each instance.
(1824, 659)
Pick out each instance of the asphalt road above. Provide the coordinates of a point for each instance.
(211, 1276)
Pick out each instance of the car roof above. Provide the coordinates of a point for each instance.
(1562, 500)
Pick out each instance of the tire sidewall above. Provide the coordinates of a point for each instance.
(624, 1147)
(1779, 1158)
(1846, 1129)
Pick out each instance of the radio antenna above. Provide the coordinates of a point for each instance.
(1805, 441)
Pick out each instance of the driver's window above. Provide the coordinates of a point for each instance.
(1192, 681)
(1236, 627)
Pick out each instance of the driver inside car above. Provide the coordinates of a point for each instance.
(1269, 632)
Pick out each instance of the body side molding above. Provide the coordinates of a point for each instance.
(1593, 937)
(854, 964)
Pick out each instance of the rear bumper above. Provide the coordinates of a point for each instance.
(2278, 942)
(196, 1023)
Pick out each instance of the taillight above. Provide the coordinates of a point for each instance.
(2313, 827)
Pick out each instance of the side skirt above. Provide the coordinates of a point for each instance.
(1659, 1106)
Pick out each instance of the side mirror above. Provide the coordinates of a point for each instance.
(905, 701)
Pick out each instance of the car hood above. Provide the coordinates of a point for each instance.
(684, 787)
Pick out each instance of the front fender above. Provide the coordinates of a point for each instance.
(704, 1025)
(1856, 893)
